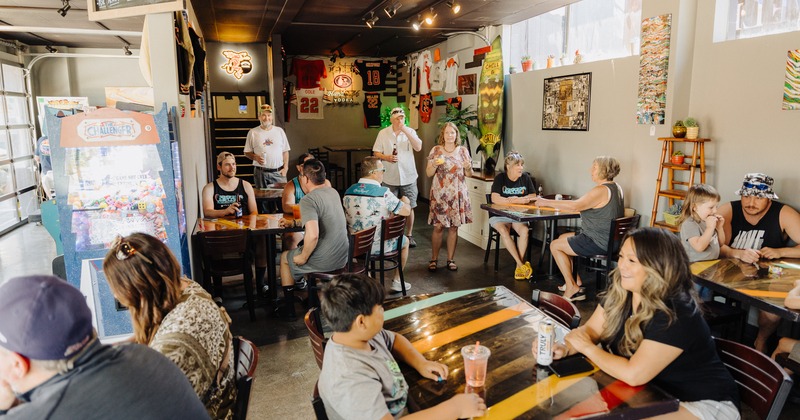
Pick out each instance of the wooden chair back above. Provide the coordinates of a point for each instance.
(763, 384)
(225, 253)
(315, 334)
(319, 406)
(557, 307)
(361, 246)
(620, 227)
(393, 227)
(245, 361)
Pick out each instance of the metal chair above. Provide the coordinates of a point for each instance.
(226, 253)
(391, 228)
(547, 236)
(360, 248)
(763, 384)
(316, 335)
(246, 361)
(601, 264)
(557, 307)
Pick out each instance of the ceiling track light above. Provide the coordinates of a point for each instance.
(65, 6)
(454, 7)
(371, 20)
(50, 49)
(127, 49)
(392, 9)
(416, 24)
(430, 17)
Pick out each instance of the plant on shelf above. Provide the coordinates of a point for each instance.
(673, 213)
(679, 130)
(692, 128)
(527, 63)
(463, 119)
(677, 158)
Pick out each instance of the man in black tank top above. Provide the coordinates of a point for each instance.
(758, 227)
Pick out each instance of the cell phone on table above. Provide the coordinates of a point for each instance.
(571, 365)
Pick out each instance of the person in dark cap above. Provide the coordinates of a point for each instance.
(759, 227)
(52, 364)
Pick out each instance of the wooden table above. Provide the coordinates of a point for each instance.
(261, 225)
(349, 150)
(439, 325)
(751, 284)
(527, 213)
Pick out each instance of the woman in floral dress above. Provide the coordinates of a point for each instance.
(449, 164)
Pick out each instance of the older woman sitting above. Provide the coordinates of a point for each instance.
(598, 208)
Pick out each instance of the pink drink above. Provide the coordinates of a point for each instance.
(475, 361)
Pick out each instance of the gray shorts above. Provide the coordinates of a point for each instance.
(262, 178)
(584, 245)
(409, 191)
(500, 219)
(712, 410)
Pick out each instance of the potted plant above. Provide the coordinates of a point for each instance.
(678, 158)
(463, 119)
(527, 63)
(673, 213)
(692, 128)
(679, 130)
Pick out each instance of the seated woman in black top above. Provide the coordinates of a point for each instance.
(651, 329)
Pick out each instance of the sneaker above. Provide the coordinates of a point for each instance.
(218, 300)
(396, 287)
(300, 284)
(521, 273)
(563, 288)
(411, 242)
(576, 297)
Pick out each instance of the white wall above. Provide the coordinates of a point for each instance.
(733, 88)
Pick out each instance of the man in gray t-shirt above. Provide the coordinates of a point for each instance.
(325, 240)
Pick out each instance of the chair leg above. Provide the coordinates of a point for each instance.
(383, 274)
(402, 278)
(218, 286)
(488, 246)
(497, 252)
(248, 292)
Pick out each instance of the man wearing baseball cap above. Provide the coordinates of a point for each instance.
(395, 146)
(53, 366)
(269, 148)
(759, 227)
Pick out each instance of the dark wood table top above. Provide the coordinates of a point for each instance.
(349, 148)
(257, 224)
(752, 283)
(528, 213)
(268, 193)
(439, 325)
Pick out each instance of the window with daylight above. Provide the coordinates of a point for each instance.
(599, 29)
(737, 19)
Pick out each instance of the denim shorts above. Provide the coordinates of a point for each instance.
(712, 410)
(584, 245)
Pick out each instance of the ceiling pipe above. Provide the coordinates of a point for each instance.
(481, 36)
(69, 31)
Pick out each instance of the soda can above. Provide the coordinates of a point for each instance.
(544, 348)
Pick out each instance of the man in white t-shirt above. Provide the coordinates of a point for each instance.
(269, 148)
(395, 146)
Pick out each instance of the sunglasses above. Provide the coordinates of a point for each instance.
(760, 187)
(124, 250)
(377, 170)
(398, 111)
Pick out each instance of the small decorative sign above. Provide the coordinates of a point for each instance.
(239, 63)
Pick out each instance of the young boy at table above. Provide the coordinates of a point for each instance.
(360, 378)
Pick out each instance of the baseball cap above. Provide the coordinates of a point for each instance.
(44, 318)
(757, 185)
(224, 155)
(266, 108)
(397, 110)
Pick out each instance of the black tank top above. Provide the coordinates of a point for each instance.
(224, 198)
(766, 233)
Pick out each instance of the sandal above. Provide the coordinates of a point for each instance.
(432, 265)
(563, 288)
(451, 265)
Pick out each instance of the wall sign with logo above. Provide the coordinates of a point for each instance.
(238, 63)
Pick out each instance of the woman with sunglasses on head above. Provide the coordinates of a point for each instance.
(174, 316)
(598, 208)
(449, 164)
(650, 328)
(514, 186)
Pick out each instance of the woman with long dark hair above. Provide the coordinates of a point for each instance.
(174, 316)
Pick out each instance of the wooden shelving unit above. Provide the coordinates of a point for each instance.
(670, 188)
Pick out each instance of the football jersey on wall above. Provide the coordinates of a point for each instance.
(309, 104)
(373, 75)
(372, 110)
(308, 72)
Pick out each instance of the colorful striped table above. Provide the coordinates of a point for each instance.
(438, 325)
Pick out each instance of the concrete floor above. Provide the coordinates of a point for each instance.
(286, 371)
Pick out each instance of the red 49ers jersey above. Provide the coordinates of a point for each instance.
(309, 104)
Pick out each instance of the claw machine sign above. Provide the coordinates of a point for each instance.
(114, 176)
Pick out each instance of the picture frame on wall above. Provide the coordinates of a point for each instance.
(565, 103)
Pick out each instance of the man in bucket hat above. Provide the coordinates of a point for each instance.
(52, 364)
(759, 227)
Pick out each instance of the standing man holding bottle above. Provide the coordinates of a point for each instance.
(269, 148)
(395, 146)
